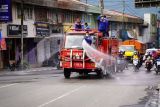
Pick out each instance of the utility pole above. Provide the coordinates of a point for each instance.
(22, 17)
(101, 4)
(123, 15)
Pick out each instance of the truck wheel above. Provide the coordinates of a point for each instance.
(149, 69)
(99, 74)
(67, 73)
(80, 73)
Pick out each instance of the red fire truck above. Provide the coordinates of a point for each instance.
(73, 57)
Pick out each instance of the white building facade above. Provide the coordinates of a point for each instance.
(43, 30)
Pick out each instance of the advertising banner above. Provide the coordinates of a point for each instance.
(15, 30)
(42, 29)
(5, 11)
(3, 44)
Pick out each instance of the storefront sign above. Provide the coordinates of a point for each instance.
(42, 29)
(15, 30)
(5, 11)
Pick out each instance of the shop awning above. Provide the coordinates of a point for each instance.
(130, 35)
(125, 35)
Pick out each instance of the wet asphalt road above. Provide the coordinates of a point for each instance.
(50, 89)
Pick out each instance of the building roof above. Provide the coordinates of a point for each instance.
(119, 16)
(77, 5)
(64, 4)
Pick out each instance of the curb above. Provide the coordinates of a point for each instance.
(40, 69)
(158, 95)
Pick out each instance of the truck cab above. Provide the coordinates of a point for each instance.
(128, 50)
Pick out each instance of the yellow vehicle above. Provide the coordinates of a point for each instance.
(128, 50)
(139, 46)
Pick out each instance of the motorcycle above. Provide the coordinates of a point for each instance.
(12, 67)
(135, 64)
(157, 66)
(149, 64)
(120, 65)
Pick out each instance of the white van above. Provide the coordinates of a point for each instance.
(150, 50)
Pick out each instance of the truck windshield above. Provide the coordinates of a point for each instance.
(74, 41)
(126, 48)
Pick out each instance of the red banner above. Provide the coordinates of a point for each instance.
(3, 44)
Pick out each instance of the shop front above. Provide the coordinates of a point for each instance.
(12, 54)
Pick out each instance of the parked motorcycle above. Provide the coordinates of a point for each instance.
(149, 64)
(157, 66)
(12, 66)
(135, 64)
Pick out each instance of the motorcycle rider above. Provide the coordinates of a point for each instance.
(149, 57)
(135, 56)
(120, 62)
(120, 54)
(157, 58)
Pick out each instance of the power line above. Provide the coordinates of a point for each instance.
(133, 11)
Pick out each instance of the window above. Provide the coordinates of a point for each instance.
(86, 18)
(129, 26)
(41, 14)
(114, 26)
(71, 41)
(126, 48)
(71, 17)
(52, 16)
(28, 12)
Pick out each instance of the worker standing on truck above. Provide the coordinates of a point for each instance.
(78, 24)
(86, 26)
(103, 25)
(88, 38)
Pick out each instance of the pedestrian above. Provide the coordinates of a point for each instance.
(103, 25)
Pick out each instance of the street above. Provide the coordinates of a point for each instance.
(39, 37)
(50, 89)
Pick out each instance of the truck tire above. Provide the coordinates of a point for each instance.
(67, 73)
(99, 73)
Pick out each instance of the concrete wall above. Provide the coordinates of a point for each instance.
(150, 32)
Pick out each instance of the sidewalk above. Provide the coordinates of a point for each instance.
(30, 71)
